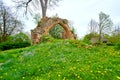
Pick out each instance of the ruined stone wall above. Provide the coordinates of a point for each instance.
(46, 24)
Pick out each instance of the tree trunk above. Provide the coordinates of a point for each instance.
(43, 12)
(100, 36)
(100, 32)
(44, 7)
(4, 26)
(0, 33)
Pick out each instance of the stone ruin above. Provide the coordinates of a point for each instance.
(46, 24)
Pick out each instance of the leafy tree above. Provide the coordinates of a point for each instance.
(105, 24)
(8, 23)
(20, 37)
(74, 32)
(56, 31)
(41, 5)
(70, 23)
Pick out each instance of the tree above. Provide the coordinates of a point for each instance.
(115, 37)
(8, 23)
(70, 23)
(37, 5)
(117, 30)
(20, 37)
(93, 26)
(36, 18)
(105, 24)
(19, 40)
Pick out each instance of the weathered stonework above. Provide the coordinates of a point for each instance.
(46, 24)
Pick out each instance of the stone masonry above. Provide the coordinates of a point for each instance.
(46, 24)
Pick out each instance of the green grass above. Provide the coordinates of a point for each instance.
(60, 60)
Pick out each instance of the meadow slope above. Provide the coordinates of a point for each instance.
(60, 60)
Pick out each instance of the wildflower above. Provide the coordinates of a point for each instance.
(6, 73)
(78, 76)
(64, 78)
(118, 77)
(23, 77)
(102, 73)
(99, 71)
(91, 71)
(59, 75)
(1, 77)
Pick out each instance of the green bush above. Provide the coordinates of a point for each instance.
(110, 44)
(76, 43)
(56, 31)
(13, 45)
(87, 38)
(17, 41)
(20, 37)
(117, 46)
(45, 38)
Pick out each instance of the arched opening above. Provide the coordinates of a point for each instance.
(66, 31)
(46, 25)
(56, 32)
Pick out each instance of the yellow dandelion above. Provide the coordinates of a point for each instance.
(102, 73)
(74, 67)
(118, 77)
(78, 76)
(23, 77)
(99, 71)
(1, 77)
(75, 74)
(105, 71)
(6, 73)
(64, 78)
(91, 71)
(59, 75)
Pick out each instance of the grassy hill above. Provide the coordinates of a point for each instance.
(60, 60)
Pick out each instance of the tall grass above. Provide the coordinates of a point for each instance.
(61, 60)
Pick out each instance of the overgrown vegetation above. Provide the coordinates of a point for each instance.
(17, 41)
(57, 59)
(9, 22)
(61, 60)
(56, 31)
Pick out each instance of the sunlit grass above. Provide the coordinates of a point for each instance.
(62, 60)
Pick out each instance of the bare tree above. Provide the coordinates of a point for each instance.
(8, 23)
(93, 26)
(117, 29)
(105, 24)
(36, 5)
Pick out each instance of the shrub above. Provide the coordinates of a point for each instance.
(110, 44)
(17, 41)
(87, 38)
(77, 43)
(117, 46)
(65, 21)
(45, 38)
(13, 45)
(21, 37)
(56, 31)
(91, 38)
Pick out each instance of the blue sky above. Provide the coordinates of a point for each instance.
(80, 12)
